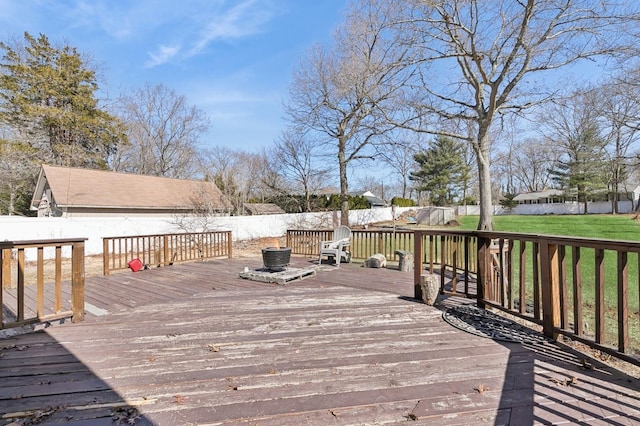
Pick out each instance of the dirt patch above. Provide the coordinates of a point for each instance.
(253, 248)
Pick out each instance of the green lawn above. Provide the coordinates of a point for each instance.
(612, 227)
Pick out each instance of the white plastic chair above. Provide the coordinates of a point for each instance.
(338, 247)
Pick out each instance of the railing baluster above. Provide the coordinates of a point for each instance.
(564, 303)
(58, 280)
(523, 277)
(599, 295)
(623, 302)
(40, 282)
(536, 280)
(578, 325)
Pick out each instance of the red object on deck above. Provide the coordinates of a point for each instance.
(135, 265)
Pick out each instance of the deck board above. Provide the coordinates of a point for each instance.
(196, 344)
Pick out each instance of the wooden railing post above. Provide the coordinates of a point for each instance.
(484, 269)
(550, 285)
(77, 282)
(20, 278)
(5, 281)
(105, 256)
(230, 244)
(418, 252)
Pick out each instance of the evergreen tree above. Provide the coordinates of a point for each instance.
(47, 94)
(582, 170)
(442, 171)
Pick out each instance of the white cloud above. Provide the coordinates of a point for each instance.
(245, 19)
(163, 55)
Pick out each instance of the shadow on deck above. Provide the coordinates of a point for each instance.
(194, 343)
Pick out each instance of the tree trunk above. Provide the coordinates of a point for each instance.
(344, 187)
(616, 187)
(484, 181)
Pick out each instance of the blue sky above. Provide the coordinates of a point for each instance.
(232, 59)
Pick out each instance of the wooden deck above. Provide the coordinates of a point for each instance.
(196, 344)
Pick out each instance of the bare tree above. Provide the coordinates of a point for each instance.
(238, 174)
(575, 128)
(343, 91)
(163, 133)
(481, 59)
(296, 157)
(398, 155)
(619, 107)
(221, 165)
(18, 170)
(524, 165)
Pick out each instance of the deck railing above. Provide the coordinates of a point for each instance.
(585, 289)
(164, 249)
(48, 288)
(364, 243)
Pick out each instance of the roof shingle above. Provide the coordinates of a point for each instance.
(73, 187)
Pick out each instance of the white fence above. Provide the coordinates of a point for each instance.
(16, 228)
(603, 207)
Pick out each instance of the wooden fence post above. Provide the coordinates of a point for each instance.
(550, 285)
(484, 270)
(6, 268)
(230, 244)
(77, 282)
(105, 256)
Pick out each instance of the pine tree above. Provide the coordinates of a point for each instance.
(47, 94)
(442, 171)
(582, 171)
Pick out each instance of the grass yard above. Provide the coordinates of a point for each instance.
(611, 227)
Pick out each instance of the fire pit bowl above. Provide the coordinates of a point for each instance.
(276, 258)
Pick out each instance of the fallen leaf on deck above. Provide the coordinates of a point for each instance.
(481, 388)
(586, 364)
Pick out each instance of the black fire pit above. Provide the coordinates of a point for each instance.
(276, 258)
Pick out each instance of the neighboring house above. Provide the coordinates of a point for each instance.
(256, 209)
(547, 196)
(372, 199)
(553, 196)
(72, 192)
